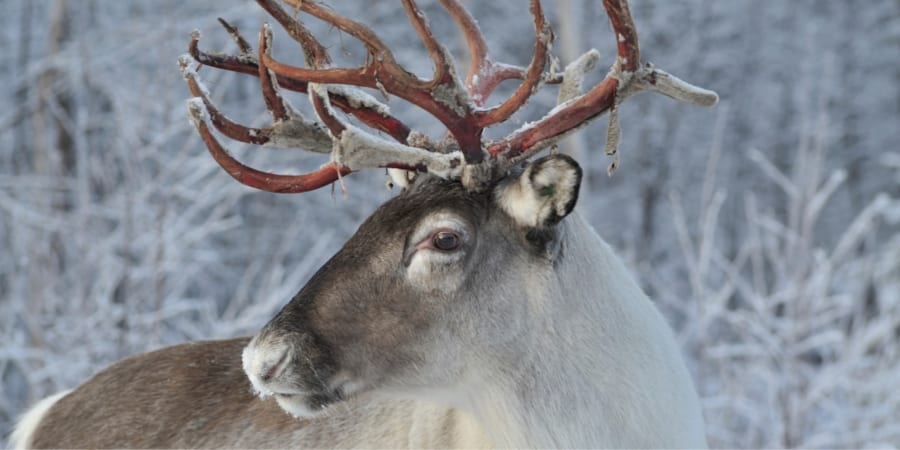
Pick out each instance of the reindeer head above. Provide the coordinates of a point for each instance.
(443, 275)
(429, 284)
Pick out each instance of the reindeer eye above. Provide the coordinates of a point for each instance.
(445, 240)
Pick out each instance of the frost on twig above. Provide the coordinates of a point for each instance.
(782, 296)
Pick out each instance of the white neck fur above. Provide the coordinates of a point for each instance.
(602, 368)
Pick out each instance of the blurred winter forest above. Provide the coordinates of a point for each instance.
(767, 229)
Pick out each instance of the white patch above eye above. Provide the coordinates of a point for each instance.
(430, 268)
(544, 193)
(441, 220)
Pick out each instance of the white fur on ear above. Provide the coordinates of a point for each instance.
(400, 178)
(544, 193)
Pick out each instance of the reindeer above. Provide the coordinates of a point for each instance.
(474, 309)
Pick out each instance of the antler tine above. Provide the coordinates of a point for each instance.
(484, 74)
(443, 97)
(351, 148)
(356, 76)
(253, 177)
(288, 132)
(626, 78)
(269, 86)
(628, 52)
(319, 99)
(479, 58)
(313, 50)
(242, 64)
(319, 60)
(202, 111)
(239, 40)
(443, 65)
(248, 64)
(356, 149)
(376, 47)
(543, 40)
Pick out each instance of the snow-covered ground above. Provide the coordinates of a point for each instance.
(767, 228)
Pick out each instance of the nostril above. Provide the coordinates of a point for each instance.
(275, 369)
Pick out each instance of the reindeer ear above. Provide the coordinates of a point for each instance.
(544, 193)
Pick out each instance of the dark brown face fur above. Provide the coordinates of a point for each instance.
(391, 311)
(358, 310)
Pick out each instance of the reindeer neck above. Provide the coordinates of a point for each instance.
(599, 368)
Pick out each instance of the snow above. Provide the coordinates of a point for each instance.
(360, 99)
(300, 134)
(574, 74)
(358, 149)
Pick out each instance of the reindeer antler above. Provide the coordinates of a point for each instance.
(459, 107)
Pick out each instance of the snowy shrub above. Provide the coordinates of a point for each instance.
(794, 342)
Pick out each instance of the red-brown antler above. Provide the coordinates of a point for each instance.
(627, 77)
(460, 108)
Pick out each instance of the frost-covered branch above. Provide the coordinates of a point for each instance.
(791, 336)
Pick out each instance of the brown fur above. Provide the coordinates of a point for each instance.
(208, 373)
(199, 397)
